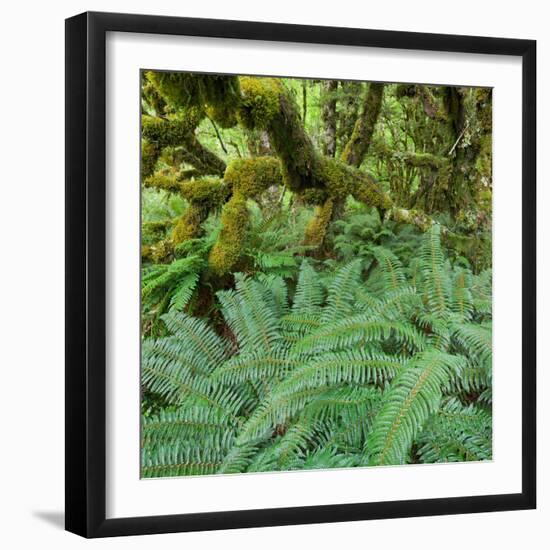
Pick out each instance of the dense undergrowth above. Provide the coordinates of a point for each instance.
(291, 327)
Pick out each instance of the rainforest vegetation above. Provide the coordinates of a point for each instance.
(316, 274)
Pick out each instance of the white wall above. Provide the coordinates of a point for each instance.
(31, 304)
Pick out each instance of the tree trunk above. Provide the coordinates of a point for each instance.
(328, 116)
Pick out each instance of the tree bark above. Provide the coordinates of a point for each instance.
(328, 116)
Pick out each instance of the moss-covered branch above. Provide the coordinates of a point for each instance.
(361, 137)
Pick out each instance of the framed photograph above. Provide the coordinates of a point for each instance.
(300, 274)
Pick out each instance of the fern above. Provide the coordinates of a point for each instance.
(391, 365)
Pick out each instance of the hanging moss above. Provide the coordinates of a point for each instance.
(250, 177)
(316, 229)
(227, 250)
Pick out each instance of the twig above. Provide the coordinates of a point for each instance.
(458, 139)
(217, 134)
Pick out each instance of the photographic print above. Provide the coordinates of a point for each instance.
(315, 274)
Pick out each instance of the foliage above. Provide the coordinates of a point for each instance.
(335, 375)
(316, 273)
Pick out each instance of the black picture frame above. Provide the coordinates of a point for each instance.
(86, 274)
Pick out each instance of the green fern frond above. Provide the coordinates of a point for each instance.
(456, 434)
(435, 277)
(180, 460)
(476, 340)
(341, 292)
(187, 423)
(359, 329)
(413, 396)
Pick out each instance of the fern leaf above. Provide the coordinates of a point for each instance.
(413, 396)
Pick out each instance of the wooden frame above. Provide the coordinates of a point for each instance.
(86, 285)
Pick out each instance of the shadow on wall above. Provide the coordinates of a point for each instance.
(55, 518)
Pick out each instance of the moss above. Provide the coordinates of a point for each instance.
(225, 114)
(227, 250)
(208, 192)
(250, 177)
(161, 252)
(153, 232)
(292, 145)
(414, 217)
(259, 102)
(359, 142)
(153, 97)
(314, 196)
(150, 153)
(484, 161)
(165, 132)
(424, 160)
(187, 90)
(342, 180)
(189, 226)
(316, 229)
(168, 182)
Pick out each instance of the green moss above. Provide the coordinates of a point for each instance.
(341, 180)
(227, 250)
(189, 226)
(424, 160)
(260, 101)
(484, 161)
(165, 132)
(168, 182)
(314, 196)
(149, 155)
(316, 229)
(208, 192)
(250, 177)
(359, 142)
(187, 90)
(223, 114)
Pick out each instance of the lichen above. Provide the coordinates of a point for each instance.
(411, 216)
(227, 250)
(160, 252)
(250, 177)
